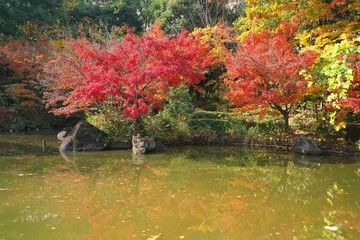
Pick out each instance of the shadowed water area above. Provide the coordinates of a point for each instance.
(184, 193)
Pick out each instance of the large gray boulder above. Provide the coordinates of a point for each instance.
(84, 137)
(306, 146)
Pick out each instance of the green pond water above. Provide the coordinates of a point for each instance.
(183, 193)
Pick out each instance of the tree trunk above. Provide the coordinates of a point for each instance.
(284, 112)
(138, 127)
(286, 120)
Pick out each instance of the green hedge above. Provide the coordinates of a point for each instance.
(211, 115)
(219, 123)
(209, 126)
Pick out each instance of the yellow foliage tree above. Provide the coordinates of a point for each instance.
(218, 37)
(320, 22)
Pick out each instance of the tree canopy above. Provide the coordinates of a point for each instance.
(265, 70)
(132, 75)
(279, 55)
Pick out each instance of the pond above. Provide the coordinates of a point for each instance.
(184, 193)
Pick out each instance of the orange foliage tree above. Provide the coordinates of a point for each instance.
(20, 89)
(264, 73)
(329, 27)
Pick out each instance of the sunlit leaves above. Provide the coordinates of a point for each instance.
(318, 20)
(322, 26)
(264, 15)
(217, 37)
(339, 76)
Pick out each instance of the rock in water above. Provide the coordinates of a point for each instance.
(306, 146)
(143, 145)
(67, 145)
(85, 137)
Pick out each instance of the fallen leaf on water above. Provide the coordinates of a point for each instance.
(154, 237)
(331, 228)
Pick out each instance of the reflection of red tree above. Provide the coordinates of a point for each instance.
(104, 203)
(132, 199)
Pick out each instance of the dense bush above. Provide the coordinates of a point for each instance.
(231, 127)
(116, 128)
(209, 126)
(170, 124)
(179, 123)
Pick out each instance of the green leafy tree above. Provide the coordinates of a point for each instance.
(107, 13)
(339, 80)
(175, 14)
(30, 18)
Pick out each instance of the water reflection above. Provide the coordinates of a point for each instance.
(137, 159)
(306, 161)
(70, 161)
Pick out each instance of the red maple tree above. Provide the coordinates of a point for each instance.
(264, 73)
(134, 74)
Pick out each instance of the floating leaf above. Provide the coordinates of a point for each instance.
(154, 237)
(332, 228)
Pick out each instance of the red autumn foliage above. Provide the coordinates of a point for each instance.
(21, 64)
(352, 102)
(133, 74)
(5, 115)
(264, 73)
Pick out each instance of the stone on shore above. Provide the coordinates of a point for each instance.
(306, 146)
(84, 137)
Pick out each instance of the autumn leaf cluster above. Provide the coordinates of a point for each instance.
(134, 74)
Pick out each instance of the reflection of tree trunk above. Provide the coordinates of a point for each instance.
(280, 184)
(138, 166)
(68, 160)
(138, 159)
